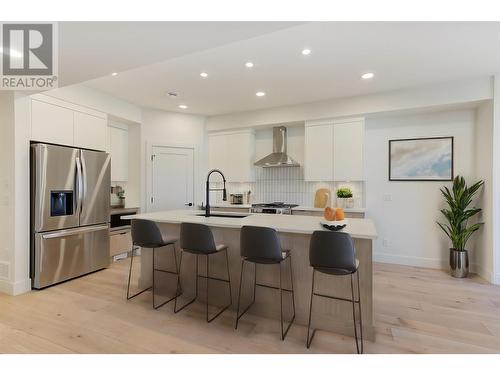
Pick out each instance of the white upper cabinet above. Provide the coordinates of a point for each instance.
(233, 153)
(118, 149)
(60, 122)
(334, 150)
(318, 152)
(51, 123)
(90, 131)
(348, 145)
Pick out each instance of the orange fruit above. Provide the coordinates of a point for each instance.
(329, 214)
(339, 214)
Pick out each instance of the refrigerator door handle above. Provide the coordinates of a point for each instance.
(69, 232)
(79, 184)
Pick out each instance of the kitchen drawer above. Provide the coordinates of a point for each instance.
(120, 242)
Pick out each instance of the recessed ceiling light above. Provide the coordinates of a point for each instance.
(260, 93)
(249, 64)
(204, 75)
(367, 75)
(114, 74)
(183, 106)
(306, 51)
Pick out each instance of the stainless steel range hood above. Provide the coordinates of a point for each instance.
(279, 157)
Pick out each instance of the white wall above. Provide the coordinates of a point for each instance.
(439, 95)
(406, 224)
(483, 167)
(7, 188)
(173, 129)
(14, 248)
(496, 180)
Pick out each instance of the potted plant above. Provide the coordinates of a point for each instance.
(344, 198)
(121, 198)
(457, 215)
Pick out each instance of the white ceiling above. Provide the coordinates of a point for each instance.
(88, 50)
(401, 54)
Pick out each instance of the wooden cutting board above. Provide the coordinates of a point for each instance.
(322, 198)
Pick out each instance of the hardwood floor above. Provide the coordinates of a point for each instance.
(416, 311)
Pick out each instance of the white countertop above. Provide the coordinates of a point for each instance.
(357, 228)
(306, 208)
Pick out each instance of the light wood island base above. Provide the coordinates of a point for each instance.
(330, 315)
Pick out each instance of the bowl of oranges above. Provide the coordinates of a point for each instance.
(334, 219)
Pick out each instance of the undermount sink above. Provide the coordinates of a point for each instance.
(236, 216)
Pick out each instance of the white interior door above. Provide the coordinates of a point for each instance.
(172, 178)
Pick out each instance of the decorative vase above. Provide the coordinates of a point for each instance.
(459, 263)
(345, 202)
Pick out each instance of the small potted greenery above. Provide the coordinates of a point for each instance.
(457, 215)
(344, 198)
(121, 198)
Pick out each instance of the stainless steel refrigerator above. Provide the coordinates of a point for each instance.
(70, 203)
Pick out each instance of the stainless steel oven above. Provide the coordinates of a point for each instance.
(276, 208)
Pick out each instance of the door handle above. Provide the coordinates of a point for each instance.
(79, 185)
(188, 204)
(70, 232)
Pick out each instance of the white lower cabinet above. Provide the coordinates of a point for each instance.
(234, 154)
(334, 150)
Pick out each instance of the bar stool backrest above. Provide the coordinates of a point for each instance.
(197, 238)
(260, 243)
(333, 250)
(145, 233)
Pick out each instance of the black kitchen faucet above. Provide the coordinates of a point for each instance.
(224, 194)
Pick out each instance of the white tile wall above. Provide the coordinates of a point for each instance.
(288, 185)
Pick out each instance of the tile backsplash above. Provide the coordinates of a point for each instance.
(288, 185)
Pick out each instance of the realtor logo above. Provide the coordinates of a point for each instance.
(28, 56)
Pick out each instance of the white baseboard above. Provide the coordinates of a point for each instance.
(410, 260)
(16, 288)
(431, 263)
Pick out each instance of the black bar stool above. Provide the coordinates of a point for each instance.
(333, 253)
(261, 245)
(146, 234)
(198, 239)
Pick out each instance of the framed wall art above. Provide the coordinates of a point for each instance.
(421, 159)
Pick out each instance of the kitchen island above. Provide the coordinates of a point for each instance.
(294, 232)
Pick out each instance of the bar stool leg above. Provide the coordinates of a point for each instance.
(360, 318)
(284, 332)
(281, 307)
(196, 287)
(309, 339)
(238, 315)
(229, 282)
(354, 315)
(239, 295)
(178, 286)
(153, 282)
(293, 293)
(129, 277)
